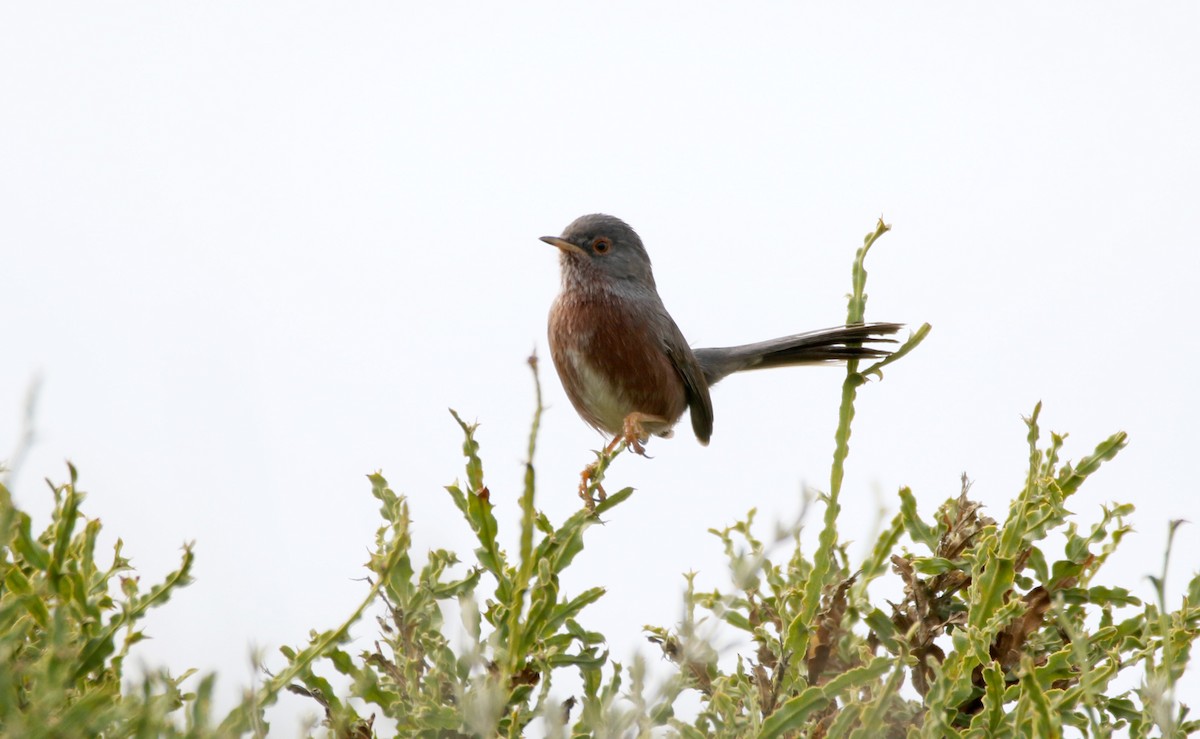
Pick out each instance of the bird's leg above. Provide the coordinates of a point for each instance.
(609, 450)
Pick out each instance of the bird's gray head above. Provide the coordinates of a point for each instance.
(599, 246)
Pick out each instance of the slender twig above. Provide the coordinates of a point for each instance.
(27, 434)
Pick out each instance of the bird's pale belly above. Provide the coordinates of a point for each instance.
(604, 401)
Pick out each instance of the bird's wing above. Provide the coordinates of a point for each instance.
(699, 402)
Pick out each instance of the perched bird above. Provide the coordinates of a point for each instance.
(625, 364)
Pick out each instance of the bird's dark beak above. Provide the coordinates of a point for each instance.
(563, 244)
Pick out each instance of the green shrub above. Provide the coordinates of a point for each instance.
(1004, 628)
(66, 625)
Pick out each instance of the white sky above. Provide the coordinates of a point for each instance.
(257, 250)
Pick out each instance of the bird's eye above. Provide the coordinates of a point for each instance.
(601, 244)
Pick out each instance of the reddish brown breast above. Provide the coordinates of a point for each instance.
(611, 363)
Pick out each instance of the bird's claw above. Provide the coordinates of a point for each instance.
(634, 434)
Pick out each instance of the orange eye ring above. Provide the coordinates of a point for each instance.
(601, 244)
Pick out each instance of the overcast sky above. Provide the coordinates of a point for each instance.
(256, 250)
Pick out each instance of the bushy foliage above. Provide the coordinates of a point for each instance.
(1005, 628)
(66, 624)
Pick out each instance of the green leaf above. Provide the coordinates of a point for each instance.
(935, 565)
(1044, 719)
(884, 630)
(989, 591)
(1112, 596)
(920, 532)
(570, 609)
(991, 720)
(794, 713)
(613, 500)
(29, 548)
(1070, 480)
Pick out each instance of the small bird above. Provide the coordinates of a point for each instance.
(625, 364)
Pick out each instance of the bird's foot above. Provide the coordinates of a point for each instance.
(634, 433)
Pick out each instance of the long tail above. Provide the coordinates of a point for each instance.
(827, 345)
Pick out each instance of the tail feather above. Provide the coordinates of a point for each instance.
(836, 344)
